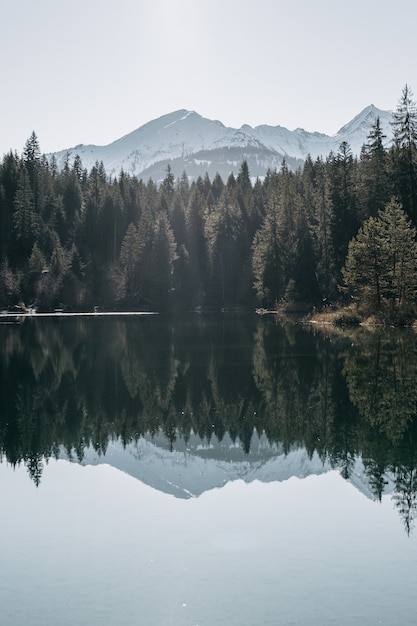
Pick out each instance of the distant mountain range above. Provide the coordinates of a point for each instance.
(193, 144)
(194, 467)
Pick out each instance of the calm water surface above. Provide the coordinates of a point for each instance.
(206, 470)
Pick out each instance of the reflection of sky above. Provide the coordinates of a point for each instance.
(92, 545)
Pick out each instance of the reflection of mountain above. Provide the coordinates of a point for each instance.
(194, 467)
(272, 401)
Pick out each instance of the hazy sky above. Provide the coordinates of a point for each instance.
(90, 71)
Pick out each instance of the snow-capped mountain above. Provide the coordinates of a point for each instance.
(193, 144)
(195, 467)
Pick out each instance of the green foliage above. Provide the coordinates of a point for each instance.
(344, 197)
(147, 259)
(404, 152)
(9, 285)
(26, 222)
(381, 264)
(225, 233)
(374, 184)
(404, 121)
(267, 260)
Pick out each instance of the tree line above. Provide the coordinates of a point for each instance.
(333, 229)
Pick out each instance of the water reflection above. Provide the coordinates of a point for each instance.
(214, 387)
(94, 546)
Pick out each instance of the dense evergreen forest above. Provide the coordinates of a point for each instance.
(339, 228)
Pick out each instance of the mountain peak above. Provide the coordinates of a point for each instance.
(196, 145)
(366, 117)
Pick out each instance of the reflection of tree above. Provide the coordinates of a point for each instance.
(231, 384)
(403, 466)
(319, 428)
(376, 473)
(54, 352)
(381, 373)
(375, 449)
(298, 375)
(279, 380)
(148, 365)
(345, 442)
(405, 495)
(35, 467)
(83, 382)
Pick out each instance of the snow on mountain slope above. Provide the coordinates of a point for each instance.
(178, 134)
(191, 143)
(359, 127)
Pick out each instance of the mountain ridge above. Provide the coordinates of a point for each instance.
(196, 145)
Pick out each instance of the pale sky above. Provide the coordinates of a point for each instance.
(91, 71)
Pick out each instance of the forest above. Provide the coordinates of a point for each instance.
(339, 230)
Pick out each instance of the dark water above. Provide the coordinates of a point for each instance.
(206, 470)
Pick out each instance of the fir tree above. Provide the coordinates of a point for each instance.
(404, 154)
(381, 264)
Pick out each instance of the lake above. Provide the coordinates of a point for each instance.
(206, 469)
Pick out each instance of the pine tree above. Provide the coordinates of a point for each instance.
(147, 258)
(32, 161)
(323, 228)
(404, 121)
(163, 257)
(131, 259)
(246, 202)
(404, 153)
(229, 274)
(196, 245)
(267, 264)
(9, 285)
(381, 264)
(374, 184)
(9, 180)
(166, 190)
(94, 243)
(292, 230)
(26, 222)
(267, 257)
(346, 219)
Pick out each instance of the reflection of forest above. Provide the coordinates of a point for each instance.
(82, 382)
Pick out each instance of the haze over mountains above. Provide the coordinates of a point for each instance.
(193, 144)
